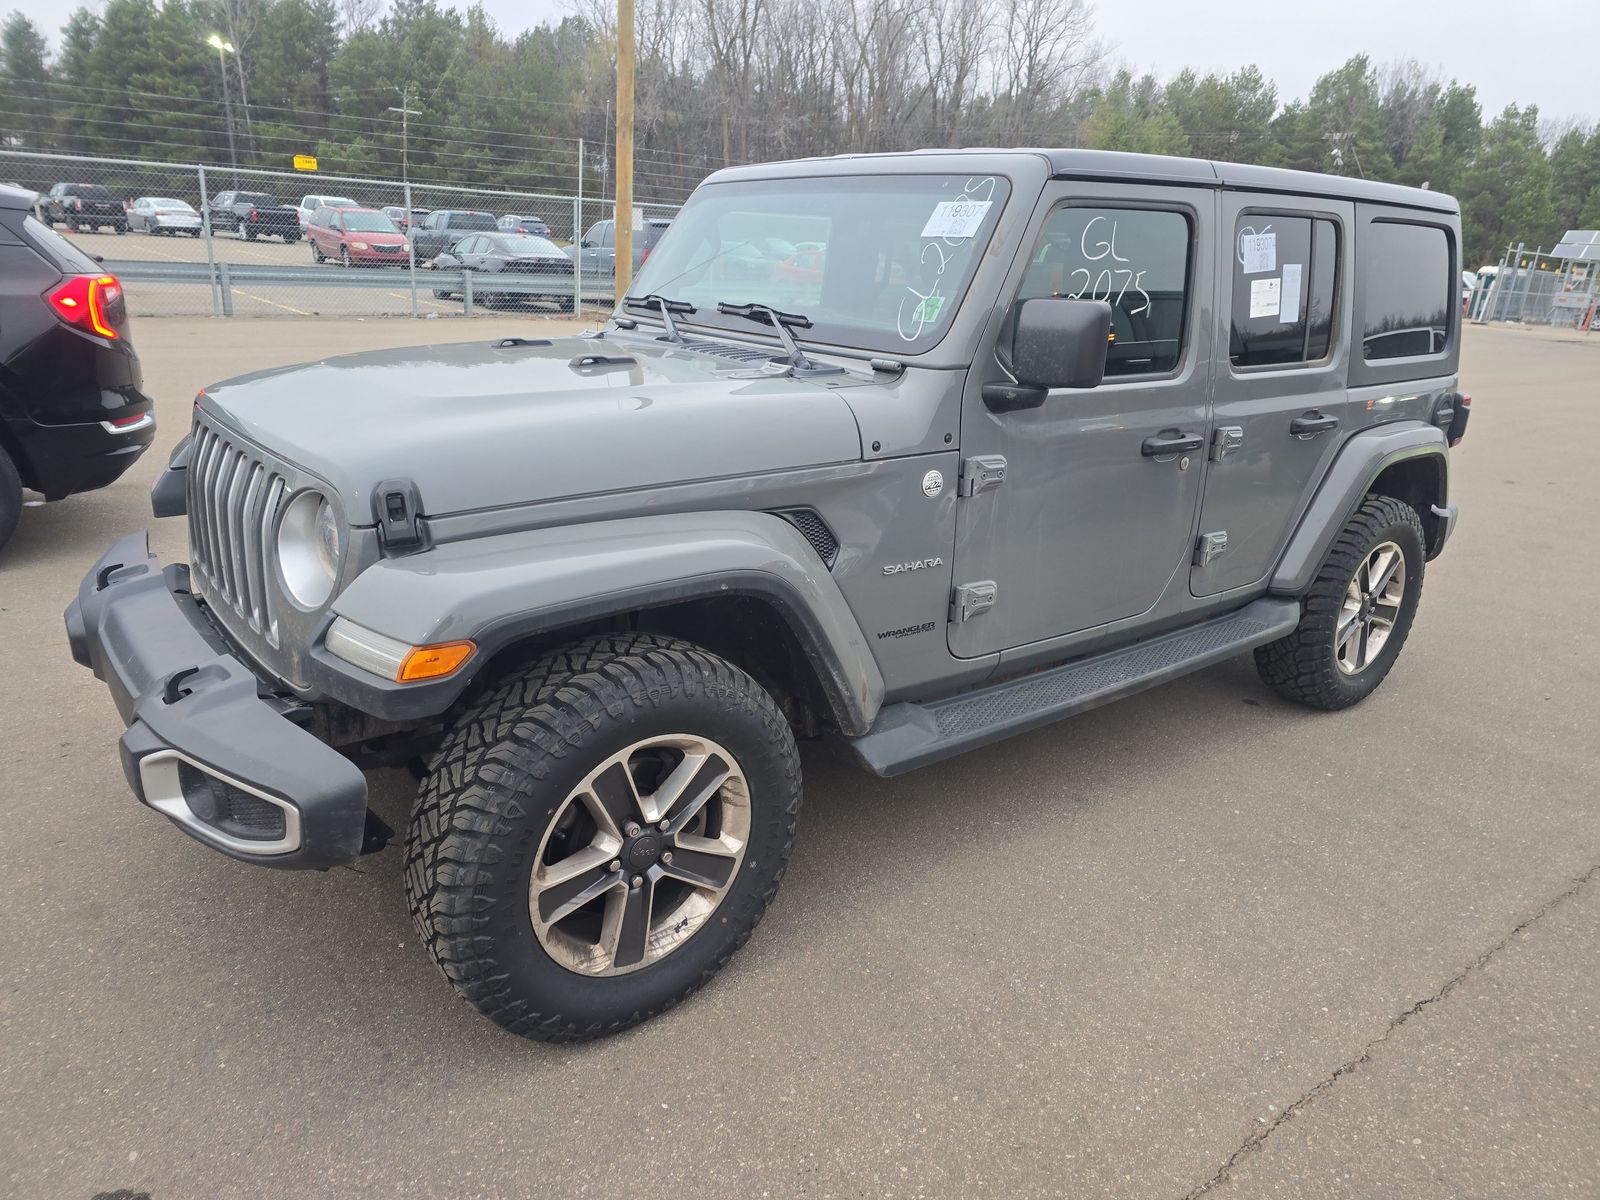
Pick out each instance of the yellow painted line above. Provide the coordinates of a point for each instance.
(262, 299)
(421, 299)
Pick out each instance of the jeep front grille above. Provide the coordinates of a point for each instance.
(234, 498)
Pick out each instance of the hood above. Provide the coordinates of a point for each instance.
(479, 425)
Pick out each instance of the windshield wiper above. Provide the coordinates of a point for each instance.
(782, 322)
(666, 308)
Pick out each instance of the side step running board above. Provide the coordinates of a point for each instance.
(906, 736)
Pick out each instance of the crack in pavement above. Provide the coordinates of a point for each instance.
(1256, 1139)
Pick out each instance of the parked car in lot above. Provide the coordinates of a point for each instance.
(252, 215)
(1055, 426)
(357, 237)
(398, 214)
(598, 247)
(444, 227)
(310, 204)
(512, 223)
(514, 254)
(84, 206)
(163, 215)
(72, 415)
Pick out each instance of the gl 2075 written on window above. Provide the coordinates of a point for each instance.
(1137, 260)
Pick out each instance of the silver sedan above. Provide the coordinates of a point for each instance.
(162, 214)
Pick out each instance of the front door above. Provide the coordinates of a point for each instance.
(1094, 521)
(1278, 402)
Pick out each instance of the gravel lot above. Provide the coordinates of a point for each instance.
(1198, 941)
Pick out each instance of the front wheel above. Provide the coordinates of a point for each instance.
(1358, 612)
(344, 257)
(600, 832)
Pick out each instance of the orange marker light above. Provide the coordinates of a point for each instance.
(433, 662)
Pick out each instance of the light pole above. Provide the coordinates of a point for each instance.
(224, 48)
(406, 113)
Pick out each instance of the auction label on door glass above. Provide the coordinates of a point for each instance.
(1263, 298)
(1290, 312)
(956, 218)
(1258, 252)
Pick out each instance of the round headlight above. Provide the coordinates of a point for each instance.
(309, 549)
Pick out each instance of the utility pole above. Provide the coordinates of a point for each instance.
(224, 48)
(624, 209)
(406, 113)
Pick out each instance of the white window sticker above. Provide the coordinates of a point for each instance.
(1258, 252)
(1289, 313)
(1263, 298)
(956, 218)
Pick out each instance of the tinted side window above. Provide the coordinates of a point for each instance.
(1406, 288)
(1284, 280)
(1138, 261)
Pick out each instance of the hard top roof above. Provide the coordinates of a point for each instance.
(16, 197)
(1152, 168)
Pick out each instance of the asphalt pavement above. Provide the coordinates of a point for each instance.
(1201, 941)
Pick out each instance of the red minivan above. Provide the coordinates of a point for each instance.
(356, 237)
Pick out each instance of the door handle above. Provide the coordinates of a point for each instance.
(1311, 424)
(1163, 444)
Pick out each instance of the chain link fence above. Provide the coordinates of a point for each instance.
(193, 240)
(1559, 287)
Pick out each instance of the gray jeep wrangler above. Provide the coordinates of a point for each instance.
(917, 451)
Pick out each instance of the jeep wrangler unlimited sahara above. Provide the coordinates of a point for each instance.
(918, 450)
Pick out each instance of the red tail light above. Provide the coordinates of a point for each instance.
(253, 216)
(87, 302)
(644, 256)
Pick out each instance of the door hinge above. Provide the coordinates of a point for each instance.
(1210, 547)
(1225, 440)
(970, 599)
(981, 472)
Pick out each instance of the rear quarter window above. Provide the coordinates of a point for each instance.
(1407, 289)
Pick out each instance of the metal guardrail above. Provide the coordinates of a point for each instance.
(472, 287)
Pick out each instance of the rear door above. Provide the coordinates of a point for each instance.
(1280, 398)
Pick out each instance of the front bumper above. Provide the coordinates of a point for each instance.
(209, 745)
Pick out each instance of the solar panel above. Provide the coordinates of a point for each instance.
(1578, 243)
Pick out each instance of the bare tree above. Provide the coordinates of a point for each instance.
(355, 16)
(1047, 52)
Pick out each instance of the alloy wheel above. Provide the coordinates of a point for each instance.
(639, 855)
(1370, 609)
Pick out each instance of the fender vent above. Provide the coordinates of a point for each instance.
(814, 529)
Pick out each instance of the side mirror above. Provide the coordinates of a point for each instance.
(1055, 344)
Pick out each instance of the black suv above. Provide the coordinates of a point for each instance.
(72, 415)
(84, 206)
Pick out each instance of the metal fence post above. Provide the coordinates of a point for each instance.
(466, 292)
(211, 256)
(411, 250)
(226, 286)
(577, 239)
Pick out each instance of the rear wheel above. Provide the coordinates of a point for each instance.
(10, 497)
(1358, 612)
(249, 234)
(599, 834)
(316, 255)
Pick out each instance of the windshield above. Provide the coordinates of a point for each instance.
(472, 220)
(876, 262)
(369, 222)
(528, 245)
(339, 202)
(88, 191)
(260, 198)
(167, 202)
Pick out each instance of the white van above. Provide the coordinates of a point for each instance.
(310, 204)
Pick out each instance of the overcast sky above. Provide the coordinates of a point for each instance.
(1527, 52)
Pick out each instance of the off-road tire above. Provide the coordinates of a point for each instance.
(506, 767)
(1302, 666)
(10, 497)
